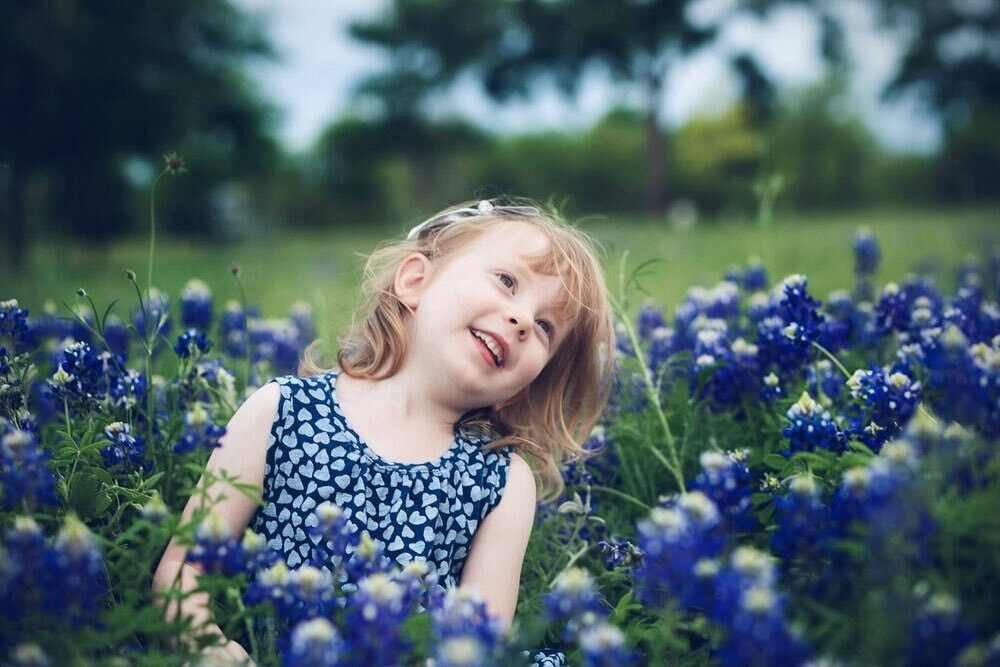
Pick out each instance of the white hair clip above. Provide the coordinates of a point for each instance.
(484, 207)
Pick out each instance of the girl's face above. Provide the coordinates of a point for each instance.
(484, 321)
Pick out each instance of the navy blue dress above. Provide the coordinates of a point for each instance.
(426, 511)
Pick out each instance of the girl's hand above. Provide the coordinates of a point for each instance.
(226, 655)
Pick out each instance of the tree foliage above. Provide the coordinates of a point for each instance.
(85, 87)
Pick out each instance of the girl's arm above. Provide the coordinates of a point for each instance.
(242, 454)
(494, 563)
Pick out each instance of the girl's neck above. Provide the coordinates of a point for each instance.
(394, 413)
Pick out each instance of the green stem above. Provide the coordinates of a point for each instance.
(246, 325)
(621, 494)
(652, 394)
(247, 620)
(836, 362)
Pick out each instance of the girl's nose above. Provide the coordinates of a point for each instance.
(521, 332)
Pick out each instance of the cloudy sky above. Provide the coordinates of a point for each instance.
(319, 65)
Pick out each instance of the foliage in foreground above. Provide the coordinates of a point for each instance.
(777, 481)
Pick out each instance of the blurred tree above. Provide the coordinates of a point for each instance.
(509, 46)
(86, 88)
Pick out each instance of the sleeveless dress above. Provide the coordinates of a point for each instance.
(426, 511)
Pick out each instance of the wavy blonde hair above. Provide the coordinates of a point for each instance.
(547, 421)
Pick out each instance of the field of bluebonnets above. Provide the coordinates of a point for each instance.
(778, 481)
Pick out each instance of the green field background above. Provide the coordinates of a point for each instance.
(323, 268)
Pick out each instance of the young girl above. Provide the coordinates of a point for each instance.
(476, 364)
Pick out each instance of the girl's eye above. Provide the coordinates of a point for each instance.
(506, 280)
(545, 326)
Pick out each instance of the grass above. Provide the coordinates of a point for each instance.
(323, 267)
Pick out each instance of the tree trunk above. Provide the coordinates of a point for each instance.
(657, 177)
(12, 184)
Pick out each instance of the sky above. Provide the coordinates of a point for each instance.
(319, 65)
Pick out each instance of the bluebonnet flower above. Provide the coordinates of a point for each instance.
(938, 633)
(422, 583)
(811, 427)
(27, 654)
(125, 450)
(603, 645)
(155, 510)
(313, 592)
(866, 253)
(368, 559)
(674, 539)
(619, 553)
(649, 319)
(257, 555)
(233, 329)
(196, 305)
(337, 539)
(759, 306)
(214, 549)
(661, 347)
(770, 388)
(803, 524)
(887, 403)
(963, 382)
(76, 567)
(192, 342)
(24, 473)
(461, 651)
(14, 325)
(272, 585)
(116, 335)
(373, 621)
(277, 342)
(824, 378)
(573, 594)
(22, 579)
(314, 643)
(725, 479)
(755, 277)
(462, 614)
(200, 432)
(881, 499)
(155, 315)
(79, 378)
(892, 311)
(301, 316)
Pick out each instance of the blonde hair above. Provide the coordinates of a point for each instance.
(550, 419)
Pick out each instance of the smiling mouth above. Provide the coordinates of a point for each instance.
(491, 344)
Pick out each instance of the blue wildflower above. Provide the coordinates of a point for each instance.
(76, 567)
(313, 592)
(461, 613)
(770, 388)
(336, 537)
(257, 555)
(573, 594)
(755, 277)
(661, 347)
(803, 524)
(116, 336)
(301, 316)
(938, 633)
(725, 479)
(619, 553)
(674, 539)
(963, 382)
(233, 329)
(824, 378)
(154, 315)
(214, 549)
(79, 378)
(603, 645)
(200, 432)
(888, 401)
(24, 473)
(650, 318)
(125, 450)
(276, 342)
(314, 643)
(14, 325)
(192, 342)
(866, 253)
(461, 651)
(196, 305)
(373, 621)
(811, 427)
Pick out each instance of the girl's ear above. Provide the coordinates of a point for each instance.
(412, 276)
